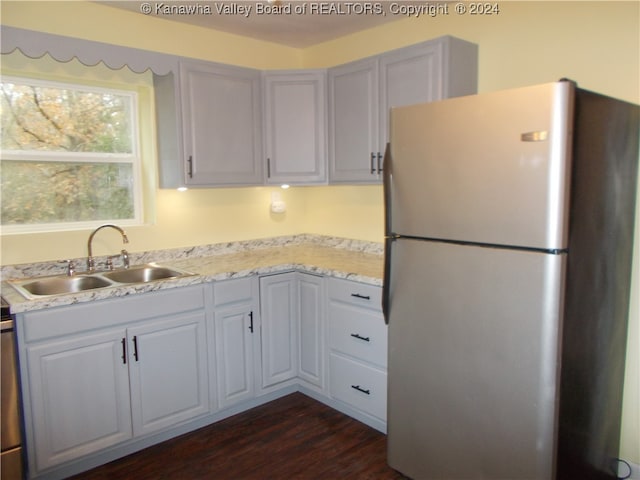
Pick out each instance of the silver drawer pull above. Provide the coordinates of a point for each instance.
(360, 389)
(360, 337)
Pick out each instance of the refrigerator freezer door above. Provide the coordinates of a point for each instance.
(490, 168)
(473, 349)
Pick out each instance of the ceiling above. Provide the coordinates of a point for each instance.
(296, 23)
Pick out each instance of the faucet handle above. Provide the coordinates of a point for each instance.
(109, 262)
(125, 258)
(71, 267)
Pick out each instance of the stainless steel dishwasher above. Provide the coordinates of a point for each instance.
(11, 467)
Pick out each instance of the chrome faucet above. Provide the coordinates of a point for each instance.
(91, 264)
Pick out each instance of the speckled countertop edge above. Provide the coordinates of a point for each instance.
(330, 256)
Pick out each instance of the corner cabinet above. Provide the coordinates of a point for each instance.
(278, 307)
(361, 94)
(221, 125)
(292, 330)
(295, 126)
(311, 315)
(101, 373)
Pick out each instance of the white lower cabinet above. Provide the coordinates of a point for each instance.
(360, 384)
(79, 397)
(100, 374)
(104, 376)
(311, 294)
(237, 332)
(168, 372)
(279, 333)
(357, 347)
(292, 316)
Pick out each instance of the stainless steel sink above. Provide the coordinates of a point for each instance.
(63, 284)
(143, 274)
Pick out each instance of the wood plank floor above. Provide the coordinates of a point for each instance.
(294, 437)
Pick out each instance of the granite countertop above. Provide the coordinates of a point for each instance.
(360, 261)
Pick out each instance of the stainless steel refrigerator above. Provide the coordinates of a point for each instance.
(509, 237)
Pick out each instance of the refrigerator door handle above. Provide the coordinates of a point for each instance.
(386, 278)
(386, 186)
(388, 235)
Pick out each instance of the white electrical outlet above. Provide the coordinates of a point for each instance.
(277, 204)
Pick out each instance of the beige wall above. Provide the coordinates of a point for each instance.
(595, 43)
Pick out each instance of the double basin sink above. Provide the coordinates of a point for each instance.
(65, 284)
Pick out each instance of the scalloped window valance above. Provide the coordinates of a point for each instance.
(63, 49)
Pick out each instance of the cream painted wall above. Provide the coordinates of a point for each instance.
(92, 21)
(595, 43)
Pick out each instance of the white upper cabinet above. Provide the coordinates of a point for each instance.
(362, 93)
(295, 126)
(221, 125)
(353, 121)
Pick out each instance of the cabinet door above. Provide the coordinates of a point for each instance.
(79, 396)
(221, 115)
(235, 334)
(441, 68)
(295, 127)
(278, 306)
(168, 369)
(353, 123)
(311, 329)
(408, 76)
(237, 337)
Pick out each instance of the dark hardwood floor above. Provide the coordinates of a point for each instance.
(294, 437)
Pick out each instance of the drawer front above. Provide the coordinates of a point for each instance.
(355, 293)
(81, 317)
(358, 332)
(239, 290)
(362, 386)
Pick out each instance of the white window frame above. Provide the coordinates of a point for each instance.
(133, 158)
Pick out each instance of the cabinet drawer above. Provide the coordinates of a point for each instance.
(77, 318)
(360, 385)
(239, 290)
(355, 293)
(358, 332)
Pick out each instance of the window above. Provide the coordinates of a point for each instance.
(69, 156)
